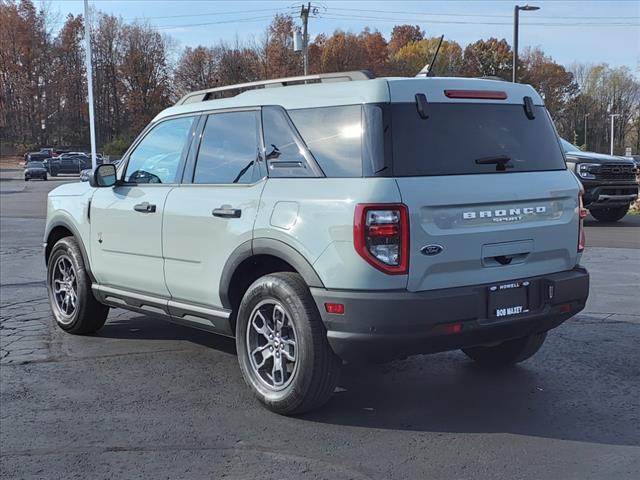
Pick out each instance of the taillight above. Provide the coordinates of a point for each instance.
(479, 94)
(381, 236)
(582, 214)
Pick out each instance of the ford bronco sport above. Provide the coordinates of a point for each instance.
(337, 218)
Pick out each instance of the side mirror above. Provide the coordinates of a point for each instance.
(104, 176)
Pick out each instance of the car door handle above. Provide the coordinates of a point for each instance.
(226, 211)
(145, 207)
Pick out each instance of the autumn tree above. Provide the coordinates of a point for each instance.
(107, 51)
(375, 50)
(145, 74)
(279, 58)
(488, 58)
(402, 35)
(25, 72)
(414, 56)
(316, 47)
(343, 51)
(197, 68)
(69, 114)
(554, 83)
(238, 65)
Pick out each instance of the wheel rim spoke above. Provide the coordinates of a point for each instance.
(263, 330)
(264, 353)
(271, 343)
(277, 371)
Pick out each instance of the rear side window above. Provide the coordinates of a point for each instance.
(334, 137)
(457, 135)
(229, 149)
(286, 154)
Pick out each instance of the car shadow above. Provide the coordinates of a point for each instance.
(142, 327)
(448, 393)
(444, 393)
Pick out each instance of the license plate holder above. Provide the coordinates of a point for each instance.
(508, 300)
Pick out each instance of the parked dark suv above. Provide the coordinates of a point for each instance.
(73, 162)
(610, 183)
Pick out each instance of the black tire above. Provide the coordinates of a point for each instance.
(88, 315)
(45, 178)
(317, 368)
(612, 214)
(507, 353)
(26, 179)
(54, 173)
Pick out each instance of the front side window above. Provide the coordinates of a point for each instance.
(157, 157)
(334, 136)
(229, 150)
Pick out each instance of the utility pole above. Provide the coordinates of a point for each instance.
(304, 15)
(87, 59)
(612, 115)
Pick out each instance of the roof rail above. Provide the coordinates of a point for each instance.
(210, 93)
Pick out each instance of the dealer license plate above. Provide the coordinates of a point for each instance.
(508, 299)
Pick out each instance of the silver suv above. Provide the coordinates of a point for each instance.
(335, 218)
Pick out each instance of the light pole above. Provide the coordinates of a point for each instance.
(586, 115)
(516, 15)
(612, 115)
(87, 59)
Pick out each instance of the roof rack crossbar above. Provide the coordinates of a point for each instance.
(209, 93)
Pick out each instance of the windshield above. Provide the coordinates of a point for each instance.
(471, 138)
(568, 147)
(35, 165)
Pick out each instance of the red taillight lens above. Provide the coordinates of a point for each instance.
(582, 214)
(381, 236)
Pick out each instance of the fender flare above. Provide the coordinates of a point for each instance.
(62, 222)
(266, 246)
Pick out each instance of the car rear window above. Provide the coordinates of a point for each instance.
(455, 135)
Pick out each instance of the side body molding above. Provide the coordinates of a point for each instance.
(266, 246)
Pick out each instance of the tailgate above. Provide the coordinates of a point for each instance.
(473, 229)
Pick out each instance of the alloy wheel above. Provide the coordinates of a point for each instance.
(64, 285)
(272, 344)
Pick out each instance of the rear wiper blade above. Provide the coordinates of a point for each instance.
(500, 161)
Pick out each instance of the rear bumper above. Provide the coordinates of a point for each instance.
(379, 325)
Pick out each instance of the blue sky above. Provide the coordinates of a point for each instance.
(568, 31)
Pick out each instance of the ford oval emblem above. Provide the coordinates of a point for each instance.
(431, 250)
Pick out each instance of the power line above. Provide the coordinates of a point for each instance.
(338, 16)
(208, 14)
(480, 15)
(236, 12)
(235, 20)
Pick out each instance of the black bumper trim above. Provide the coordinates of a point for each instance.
(386, 324)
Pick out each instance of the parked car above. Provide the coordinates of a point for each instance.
(35, 170)
(43, 154)
(610, 183)
(73, 162)
(330, 222)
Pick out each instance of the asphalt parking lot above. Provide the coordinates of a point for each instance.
(148, 399)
